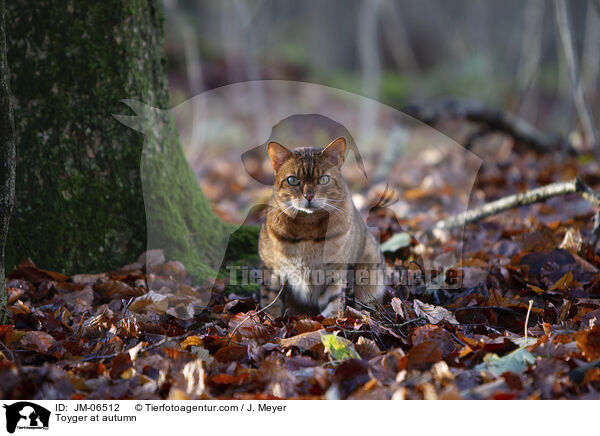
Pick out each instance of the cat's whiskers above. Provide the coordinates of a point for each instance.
(332, 208)
(291, 206)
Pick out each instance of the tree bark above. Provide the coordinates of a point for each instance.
(79, 201)
(7, 159)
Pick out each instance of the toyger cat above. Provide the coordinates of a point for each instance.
(313, 239)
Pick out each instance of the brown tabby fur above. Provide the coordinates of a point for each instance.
(314, 227)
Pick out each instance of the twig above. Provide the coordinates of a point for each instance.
(564, 31)
(255, 313)
(493, 120)
(8, 353)
(527, 318)
(146, 348)
(523, 199)
(410, 322)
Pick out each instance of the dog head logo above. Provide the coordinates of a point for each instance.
(26, 415)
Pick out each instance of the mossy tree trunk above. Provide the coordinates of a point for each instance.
(7, 158)
(79, 201)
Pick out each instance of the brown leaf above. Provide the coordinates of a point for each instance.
(120, 363)
(430, 332)
(19, 308)
(588, 342)
(307, 325)
(152, 301)
(251, 328)
(112, 289)
(191, 341)
(563, 283)
(37, 341)
(348, 376)
(173, 269)
(367, 348)
(6, 334)
(27, 270)
(88, 279)
(229, 379)
(424, 355)
(433, 314)
(231, 353)
(279, 381)
(303, 341)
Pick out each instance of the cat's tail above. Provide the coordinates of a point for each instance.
(388, 197)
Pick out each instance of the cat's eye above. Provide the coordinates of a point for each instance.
(293, 181)
(323, 180)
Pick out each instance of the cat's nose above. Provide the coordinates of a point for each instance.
(309, 196)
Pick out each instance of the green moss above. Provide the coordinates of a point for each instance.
(242, 252)
(243, 245)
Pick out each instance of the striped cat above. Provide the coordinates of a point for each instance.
(313, 239)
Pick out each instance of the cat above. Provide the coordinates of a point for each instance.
(313, 241)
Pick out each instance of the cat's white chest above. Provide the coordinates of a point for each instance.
(301, 278)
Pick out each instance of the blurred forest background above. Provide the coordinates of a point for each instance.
(504, 54)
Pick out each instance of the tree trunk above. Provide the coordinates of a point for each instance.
(79, 202)
(7, 159)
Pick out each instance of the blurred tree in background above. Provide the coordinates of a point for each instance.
(504, 54)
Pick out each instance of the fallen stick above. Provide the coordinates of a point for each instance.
(537, 195)
(493, 120)
(255, 313)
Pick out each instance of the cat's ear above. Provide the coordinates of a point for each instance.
(278, 154)
(336, 151)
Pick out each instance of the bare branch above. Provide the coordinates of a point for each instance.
(493, 120)
(537, 195)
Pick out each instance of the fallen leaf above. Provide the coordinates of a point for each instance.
(563, 283)
(516, 361)
(396, 304)
(303, 341)
(430, 332)
(191, 341)
(396, 242)
(424, 355)
(339, 348)
(120, 363)
(152, 301)
(348, 376)
(37, 341)
(588, 341)
(433, 314)
(367, 348)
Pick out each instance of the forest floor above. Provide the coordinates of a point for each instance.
(523, 323)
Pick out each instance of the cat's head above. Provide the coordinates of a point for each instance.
(309, 180)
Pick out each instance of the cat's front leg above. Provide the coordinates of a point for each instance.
(332, 300)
